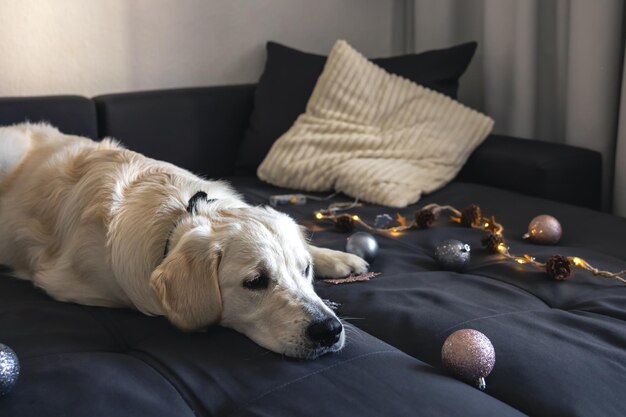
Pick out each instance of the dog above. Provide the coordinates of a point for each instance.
(96, 224)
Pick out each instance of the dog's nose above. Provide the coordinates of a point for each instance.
(326, 332)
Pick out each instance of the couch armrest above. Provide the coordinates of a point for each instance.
(549, 170)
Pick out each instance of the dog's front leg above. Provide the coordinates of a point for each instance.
(328, 263)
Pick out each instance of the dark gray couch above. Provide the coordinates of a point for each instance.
(560, 346)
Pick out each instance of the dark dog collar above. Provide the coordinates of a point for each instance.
(191, 209)
(193, 201)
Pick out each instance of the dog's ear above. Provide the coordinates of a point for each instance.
(187, 286)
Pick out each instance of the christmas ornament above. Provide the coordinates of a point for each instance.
(382, 221)
(558, 267)
(544, 230)
(492, 242)
(469, 355)
(471, 216)
(344, 223)
(362, 244)
(9, 369)
(452, 255)
(425, 218)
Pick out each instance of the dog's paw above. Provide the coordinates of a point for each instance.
(336, 264)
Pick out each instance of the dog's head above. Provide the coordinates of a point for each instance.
(249, 269)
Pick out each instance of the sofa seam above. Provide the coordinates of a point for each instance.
(192, 404)
(319, 371)
(129, 353)
(491, 317)
(522, 289)
(140, 356)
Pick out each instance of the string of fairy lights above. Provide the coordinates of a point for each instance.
(557, 267)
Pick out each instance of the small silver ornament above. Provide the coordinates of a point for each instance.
(382, 221)
(9, 369)
(469, 355)
(362, 244)
(452, 255)
(544, 230)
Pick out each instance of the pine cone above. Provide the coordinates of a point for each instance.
(424, 218)
(491, 242)
(558, 267)
(344, 223)
(471, 216)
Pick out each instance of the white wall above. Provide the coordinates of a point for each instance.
(91, 47)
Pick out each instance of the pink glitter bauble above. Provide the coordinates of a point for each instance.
(469, 355)
(544, 230)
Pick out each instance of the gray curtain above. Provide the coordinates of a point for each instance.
(545, 69)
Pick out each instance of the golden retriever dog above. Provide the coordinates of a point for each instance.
(96, 224)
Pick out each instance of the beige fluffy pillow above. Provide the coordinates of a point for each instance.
(373, 135)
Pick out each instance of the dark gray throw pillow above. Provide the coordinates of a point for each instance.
(290, 77)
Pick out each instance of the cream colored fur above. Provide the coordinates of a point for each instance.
(88, 223)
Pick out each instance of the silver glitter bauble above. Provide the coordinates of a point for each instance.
(544, 230)
(452, 255)
(9, 369)
(469, 355)
(362, 244)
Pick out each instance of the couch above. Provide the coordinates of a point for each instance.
(560, 346)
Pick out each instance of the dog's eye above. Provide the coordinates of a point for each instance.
(258, 283)
(307, 270)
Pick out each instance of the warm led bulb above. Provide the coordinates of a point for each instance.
(577, 261)
(319, 215)
(355, 218)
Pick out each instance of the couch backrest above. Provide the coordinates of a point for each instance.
(71, 114)
(196, 128)
(201, 129)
